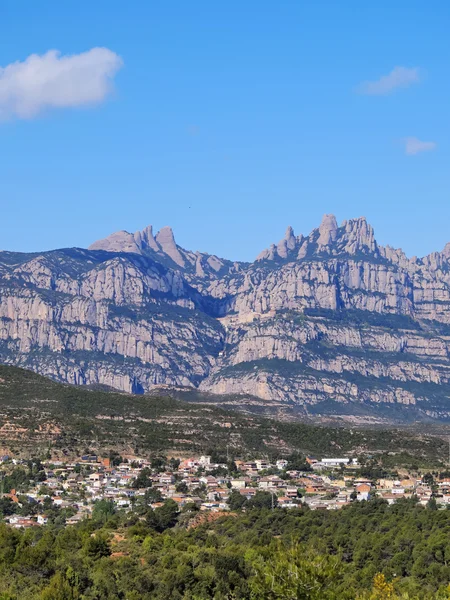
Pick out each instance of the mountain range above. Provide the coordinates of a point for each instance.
(331, 323)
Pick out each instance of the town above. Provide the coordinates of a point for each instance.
(34, 493)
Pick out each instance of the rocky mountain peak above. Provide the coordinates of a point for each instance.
(328, 230)
(287, 244)
(330, 317)
(120, 241)
(166, 241)
(352, 237)
(140, 241)
(145, 239)
(358, 236)
(289, 234)
(291, 240)
(162, 246)
(165, 236)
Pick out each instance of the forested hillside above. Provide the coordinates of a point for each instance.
(367, 551)
(37, 413)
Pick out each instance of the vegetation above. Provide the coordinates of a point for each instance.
(368, 550)
(69, 419)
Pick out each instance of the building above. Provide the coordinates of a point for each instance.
(335, 462)
(363, 491)
(240, 483)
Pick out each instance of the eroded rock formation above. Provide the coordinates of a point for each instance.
(326, 320)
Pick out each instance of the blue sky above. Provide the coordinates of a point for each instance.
(227, 121)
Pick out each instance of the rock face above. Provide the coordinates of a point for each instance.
(163, 248)
(330, 322)
(95, 317)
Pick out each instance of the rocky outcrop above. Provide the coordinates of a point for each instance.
(351, 238)
(306, 389)
(328, 231)
(162, 247)
(123, 321)
(323, 320)
(311, 359)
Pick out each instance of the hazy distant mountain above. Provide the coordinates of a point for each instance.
(331, 321)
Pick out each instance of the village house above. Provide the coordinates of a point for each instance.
(363, 491)
(166, 478)
(239, 483)
(281, 464)
(42, 519)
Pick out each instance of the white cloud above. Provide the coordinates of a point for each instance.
(40, 83)
(399, 77)
(415, 146)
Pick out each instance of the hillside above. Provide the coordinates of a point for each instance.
(37, 413)
(330, 323)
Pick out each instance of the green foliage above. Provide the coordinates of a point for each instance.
(7, 507)
(158, 463)
(297, 462)
(148, 422)
(428, 479)
(293, 572)
(236, 501)
(369, 551)
(18, 479)
(263, 500)
(182, 487)
(143, 479)
(103, 510)
(96, 546)
(432, 504)
(166, 515)
(59, 588)
(152, 495)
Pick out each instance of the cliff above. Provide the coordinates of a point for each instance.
(328, 322)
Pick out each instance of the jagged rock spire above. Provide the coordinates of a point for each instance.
(446, 250)
(358, 235)
(327, 230)
(287, 243)
(166, 241)
(146, 239)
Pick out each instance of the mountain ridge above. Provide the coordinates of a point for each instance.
(141, 240)
(136, 311)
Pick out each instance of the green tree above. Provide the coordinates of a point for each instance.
(103, 509)
(152, 495)
(158, 463)
(297, 462)
(143, 479)
(263, 500)
(7, 507)
(428, 479)
(97, 546)
(174, 463)
(295, 573)
(432, 504)
(166, 515)
(59, 588)
(182, 487)
(236, 500)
